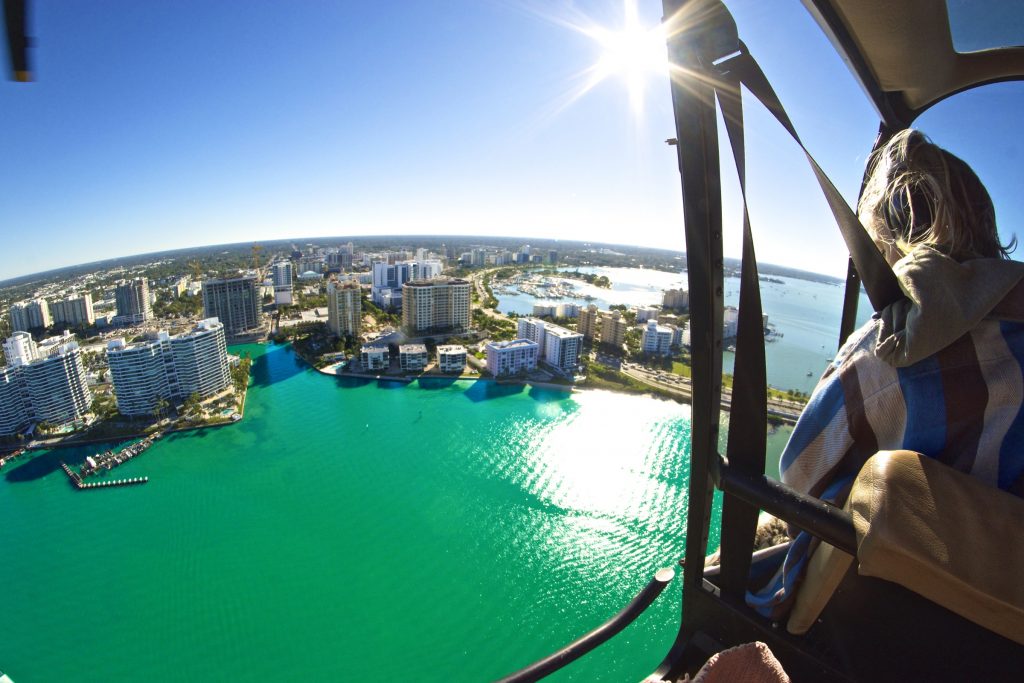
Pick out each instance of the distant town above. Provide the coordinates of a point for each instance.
(140, 346)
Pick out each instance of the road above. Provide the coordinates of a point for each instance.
(788, 411)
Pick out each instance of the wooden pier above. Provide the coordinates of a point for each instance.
(76, 480)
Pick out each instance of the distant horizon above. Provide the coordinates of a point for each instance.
(341, 239)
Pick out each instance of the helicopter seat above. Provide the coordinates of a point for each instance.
(936, 531)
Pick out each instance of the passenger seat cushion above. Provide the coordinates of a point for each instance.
(942, 534)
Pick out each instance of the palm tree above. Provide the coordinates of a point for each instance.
(160, 407)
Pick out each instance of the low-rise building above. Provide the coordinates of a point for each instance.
(511, 357)
(375, 357)
(412, 357)
(657, 339)
(451, 358)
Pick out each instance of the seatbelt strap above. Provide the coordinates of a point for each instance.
(749, 411)
(880, 282)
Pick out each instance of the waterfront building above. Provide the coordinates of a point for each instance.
(451, 358)
(438, 305)
(169, 367)
(20, 349)
(677, 335)
(613, 329)
(344, 308)
(375, 357)
(133, 304)
(511, 357)
(588, 322)
(730, 321)
(14, 412)
(645, 313)
(73, 311)
(562, 348)
(533, 329)
(567, 310)
(541, 310)
(676, 300)
(656, 339)
(55, 385)
(31, 314)
(281, 273)
(234, 302)
(412, 357)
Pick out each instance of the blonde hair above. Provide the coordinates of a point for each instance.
(919, 194)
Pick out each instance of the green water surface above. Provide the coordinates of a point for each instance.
(352, 531)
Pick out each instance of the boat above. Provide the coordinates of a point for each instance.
(810, 373)
(4, 678)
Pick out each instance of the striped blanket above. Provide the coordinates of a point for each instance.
(938, 375)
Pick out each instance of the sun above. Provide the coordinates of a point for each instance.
(632, 53)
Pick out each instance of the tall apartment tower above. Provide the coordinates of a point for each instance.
(344, 308)
(439, 305)
(20, 349)
(234, 302)
(167, 367)
(73, 311)
(55, 386)
(30, 315)
(14, 412)
(133, 301)
(281, 272)
(588, 322)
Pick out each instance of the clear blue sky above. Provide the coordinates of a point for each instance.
(157, 125)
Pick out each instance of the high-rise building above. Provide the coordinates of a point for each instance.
(439, 305)
(588, 322)
(14, 411)
(426, 269)
(388, 279)
(73, 311)
(676, 300)
(656, 339)
(132, 299)
(55, 385)
(613, 329)
(559, 347)
(552, 256)
(281, 272)
(20, 349)
(31, 314)
(344, 308)
(645, 313)
(562, 348)
(234, 302)
(170, 368)
(511, 357)
(730, 321)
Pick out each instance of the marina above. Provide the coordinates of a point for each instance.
(77, 482)
(108, 460)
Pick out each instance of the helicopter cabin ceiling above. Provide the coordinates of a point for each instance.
(904, 52)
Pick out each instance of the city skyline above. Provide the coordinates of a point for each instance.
(151, 128)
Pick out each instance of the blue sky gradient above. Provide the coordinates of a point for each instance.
(158, 125)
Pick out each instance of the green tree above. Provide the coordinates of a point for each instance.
(193, 406)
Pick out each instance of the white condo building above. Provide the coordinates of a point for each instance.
(413, 356)
(344, 308)
(55, 384)
(169, 368)
(14, 410)
(20, 349)
(559, 347)
(30, 315)
(451, 358)
(388, 279)
(511, 357)
(375, 357)
(657, 339)
(281, 272)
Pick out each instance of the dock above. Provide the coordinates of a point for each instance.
(76, 480)
(109, 459)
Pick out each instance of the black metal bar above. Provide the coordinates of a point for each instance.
(599, 635)
(851, 300)
(17, 38)
(822, 520)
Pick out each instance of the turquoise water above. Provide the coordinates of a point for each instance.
(344, 530)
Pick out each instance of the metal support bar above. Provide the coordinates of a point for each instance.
(820, 519)
(599, 635)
